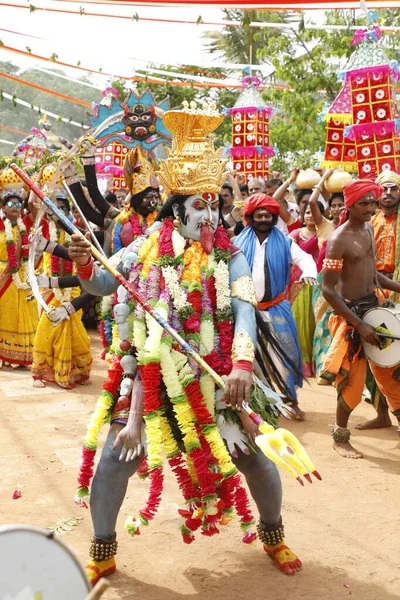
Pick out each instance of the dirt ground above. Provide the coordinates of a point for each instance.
(344, 528)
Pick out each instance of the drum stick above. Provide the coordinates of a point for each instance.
(388, 335)
(98, 590)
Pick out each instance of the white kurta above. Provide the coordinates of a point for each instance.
(300, 258)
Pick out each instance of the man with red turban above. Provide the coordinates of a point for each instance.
(349, 282)
(270, 255)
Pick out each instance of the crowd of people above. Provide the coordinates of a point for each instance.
(256, 276)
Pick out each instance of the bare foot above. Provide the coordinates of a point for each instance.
(38, 383)
(14, 366)
(346, 450)
(298, 415)
(377, 423)
(284, 558)
(1, 364)
(86, 382)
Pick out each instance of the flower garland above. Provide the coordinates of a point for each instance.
(17, 268)
(139, 225)
(105, 322)
(59, 266)
(193, 293)
(108, 396)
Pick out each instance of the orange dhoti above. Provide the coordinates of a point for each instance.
(348, 373)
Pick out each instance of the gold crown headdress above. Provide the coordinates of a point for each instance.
(138, 171)
(192, 164)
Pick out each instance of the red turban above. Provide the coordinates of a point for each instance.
(259, 201)
(355, 191)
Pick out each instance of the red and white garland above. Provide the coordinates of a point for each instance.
(17, 268)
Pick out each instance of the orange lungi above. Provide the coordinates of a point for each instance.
(349, 375)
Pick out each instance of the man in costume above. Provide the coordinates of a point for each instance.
(349, 282)
(385, 224)
(188, 271)
(270, 254)
(133, 220)
(18, 318)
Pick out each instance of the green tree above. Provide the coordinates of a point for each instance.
(306, 63)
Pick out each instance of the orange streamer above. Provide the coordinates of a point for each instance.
(46, 90)
(14, 130)
(141, 79)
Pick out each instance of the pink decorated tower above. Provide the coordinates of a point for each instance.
(251, 148)
(340, 151)
(371, 79)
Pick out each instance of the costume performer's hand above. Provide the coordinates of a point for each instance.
(237, 387)
(68, 168)
(130, 438)
(57, 315)
(368, 334)
(234, 438)
(79, 249)
(43, 281)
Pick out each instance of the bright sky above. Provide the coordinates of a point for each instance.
(115, 45)
(118, 46)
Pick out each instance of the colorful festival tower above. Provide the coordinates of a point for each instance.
(340, 151)
(372, 79)
(250, 149)
(40, 143)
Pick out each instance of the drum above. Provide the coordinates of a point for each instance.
(389, 318)
(36, 565)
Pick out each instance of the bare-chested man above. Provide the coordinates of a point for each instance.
(349, 283)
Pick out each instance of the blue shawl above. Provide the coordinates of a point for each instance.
(278, 256)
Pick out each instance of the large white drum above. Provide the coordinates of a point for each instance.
(35, 563)
(389, 318)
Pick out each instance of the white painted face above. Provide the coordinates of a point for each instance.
(200, 210)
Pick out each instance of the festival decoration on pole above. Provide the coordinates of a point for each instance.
(289, 453)
(250, 132)
(371, 80)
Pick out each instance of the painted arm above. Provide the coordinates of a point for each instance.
(243, 296)
(96, 196)
(100, 283)
(90, 213)
(238, 384)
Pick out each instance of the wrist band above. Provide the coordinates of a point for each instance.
(72, 179)
(243, 365)
(87, 160)
(50, 246)
(86, 271)
(53, 282)
(69, 307)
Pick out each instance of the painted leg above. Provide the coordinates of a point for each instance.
(265, 486)
(107, 494)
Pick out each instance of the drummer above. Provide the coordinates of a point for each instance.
(349, 276)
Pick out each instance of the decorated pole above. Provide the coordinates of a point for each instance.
(285, 442)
